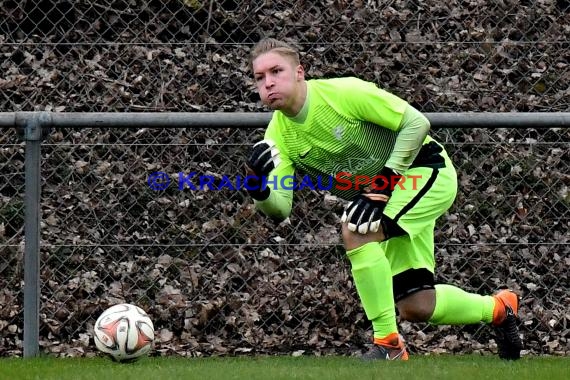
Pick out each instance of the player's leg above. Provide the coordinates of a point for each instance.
(373, 281)
(372, 272)
(417, 296)
(412, 262)
(419, 300)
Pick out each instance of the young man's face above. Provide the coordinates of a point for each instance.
(278, 80)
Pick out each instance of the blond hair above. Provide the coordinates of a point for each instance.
(271, 44)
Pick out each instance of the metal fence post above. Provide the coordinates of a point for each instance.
(33, 132)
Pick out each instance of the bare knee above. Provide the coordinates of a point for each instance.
(417, 307)
(353, 240)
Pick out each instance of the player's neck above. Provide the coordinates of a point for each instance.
(298, 102)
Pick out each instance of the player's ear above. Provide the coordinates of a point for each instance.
(300, 73)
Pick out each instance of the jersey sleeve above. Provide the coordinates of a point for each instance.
(414, 130)
(280, 201)
(366, 101)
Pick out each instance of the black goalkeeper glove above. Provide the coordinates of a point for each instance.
(264, 157)
(365, 211)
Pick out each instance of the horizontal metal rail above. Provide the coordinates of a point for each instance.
(519, 120)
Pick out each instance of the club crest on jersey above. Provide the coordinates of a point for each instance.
(338, 132)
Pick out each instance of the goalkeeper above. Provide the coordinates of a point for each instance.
(323, 127)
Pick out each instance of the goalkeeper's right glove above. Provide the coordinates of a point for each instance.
(264, 157)
(366, 210)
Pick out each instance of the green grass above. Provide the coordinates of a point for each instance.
(275, 368)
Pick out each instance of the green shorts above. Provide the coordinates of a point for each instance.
(426, 194)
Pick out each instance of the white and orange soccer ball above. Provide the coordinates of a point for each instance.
(124, 332)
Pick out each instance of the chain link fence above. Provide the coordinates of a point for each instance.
(218, 278)
(191, 55)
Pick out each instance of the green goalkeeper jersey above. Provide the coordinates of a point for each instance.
(347, 126)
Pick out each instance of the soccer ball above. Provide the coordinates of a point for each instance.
(124, 332)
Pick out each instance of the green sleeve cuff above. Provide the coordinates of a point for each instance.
(277, 205)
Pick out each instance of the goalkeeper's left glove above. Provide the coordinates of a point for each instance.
(365, 211)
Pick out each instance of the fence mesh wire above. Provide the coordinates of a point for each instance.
(192, 55)
(217, 277)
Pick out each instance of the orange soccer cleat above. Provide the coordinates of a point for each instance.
(390, 348)
(505, 316)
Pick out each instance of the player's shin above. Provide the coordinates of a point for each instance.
(373, 281)
(454, 306)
